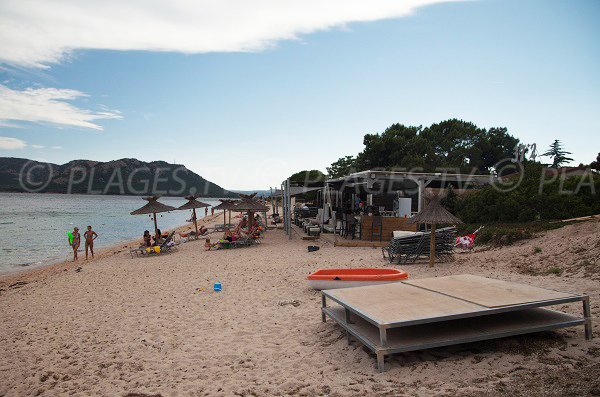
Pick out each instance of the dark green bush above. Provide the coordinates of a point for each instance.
(533, 199)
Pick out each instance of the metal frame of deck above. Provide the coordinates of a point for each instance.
(481, 324)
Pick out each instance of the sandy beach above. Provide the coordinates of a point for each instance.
(154, 327)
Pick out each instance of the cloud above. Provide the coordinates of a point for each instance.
(8, 143)
(49, 105)
(37, 146)
(36, 33)
(56, 147)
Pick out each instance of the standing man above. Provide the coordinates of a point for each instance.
(205, 211)
(212, 211)
(90, 236)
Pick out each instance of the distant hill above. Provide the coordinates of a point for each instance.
(258, 192)
(119, 177)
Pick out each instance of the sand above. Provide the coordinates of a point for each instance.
(139, 327)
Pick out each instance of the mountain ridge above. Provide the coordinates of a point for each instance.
(126, 176)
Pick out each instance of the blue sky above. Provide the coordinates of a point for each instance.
(248, 119)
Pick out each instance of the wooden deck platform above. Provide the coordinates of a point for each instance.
(445, 311)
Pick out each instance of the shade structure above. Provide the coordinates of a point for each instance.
(433, 214)
(226, 205)
(153, 207)
(192, 204)
(249, 204)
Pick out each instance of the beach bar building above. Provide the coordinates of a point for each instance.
(378, 203)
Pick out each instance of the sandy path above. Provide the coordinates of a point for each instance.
(124, 326)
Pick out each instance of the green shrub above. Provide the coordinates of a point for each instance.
(555, 270)
(532, 199)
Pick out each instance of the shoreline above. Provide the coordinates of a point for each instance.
(48, 267)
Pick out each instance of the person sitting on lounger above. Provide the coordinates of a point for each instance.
(158, 239)
(228, 235)
(147, 239)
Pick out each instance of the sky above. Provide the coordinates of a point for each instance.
(245, 93)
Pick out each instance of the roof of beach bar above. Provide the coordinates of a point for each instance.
(407, 179)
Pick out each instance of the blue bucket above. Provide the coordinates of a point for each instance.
(218, 287)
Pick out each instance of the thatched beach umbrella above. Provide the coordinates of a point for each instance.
(434, 214)
(247, 203)
(226, 205)
(192, 204)
(153, 207)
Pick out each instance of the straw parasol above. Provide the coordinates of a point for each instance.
(226, 205)
(153, 207)
(248, 203)
(192, 204)
(433, 214)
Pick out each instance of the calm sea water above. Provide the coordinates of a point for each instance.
(33, 227)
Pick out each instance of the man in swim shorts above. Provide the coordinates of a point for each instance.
(90, 236)
(75, 242)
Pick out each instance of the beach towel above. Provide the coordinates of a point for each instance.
(468, 241)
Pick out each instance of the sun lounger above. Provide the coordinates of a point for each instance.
(409, 247)
(167, 246)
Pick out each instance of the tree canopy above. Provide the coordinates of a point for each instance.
(456, 145)
(558, 154)
(308, 178)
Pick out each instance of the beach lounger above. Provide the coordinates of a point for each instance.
(167, 246)
(409, 247)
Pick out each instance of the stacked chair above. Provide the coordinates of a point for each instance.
(408, 249)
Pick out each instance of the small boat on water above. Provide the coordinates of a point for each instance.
(344, 278)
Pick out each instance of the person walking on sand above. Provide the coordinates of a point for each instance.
(90, 236)
(212, 211)
(205, 211)
(75, 242)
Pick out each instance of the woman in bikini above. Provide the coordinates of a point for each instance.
(75, 243)
(89, 236)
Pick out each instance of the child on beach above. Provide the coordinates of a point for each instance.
(90, 236)
(207, 245)
(75, 242)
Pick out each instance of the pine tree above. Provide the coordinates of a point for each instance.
(558, 154)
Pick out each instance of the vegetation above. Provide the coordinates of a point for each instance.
(534, 197)
(537, 193)
(308, 178)
(501, 233)
(453, 144)
(557, 271)
(595, 165)
(558, 154)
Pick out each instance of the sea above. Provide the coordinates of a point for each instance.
(33, 227)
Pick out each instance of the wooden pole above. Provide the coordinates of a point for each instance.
(229, 217)
(432, 246)
(224, 218)
(195, 222)
(155, 225)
